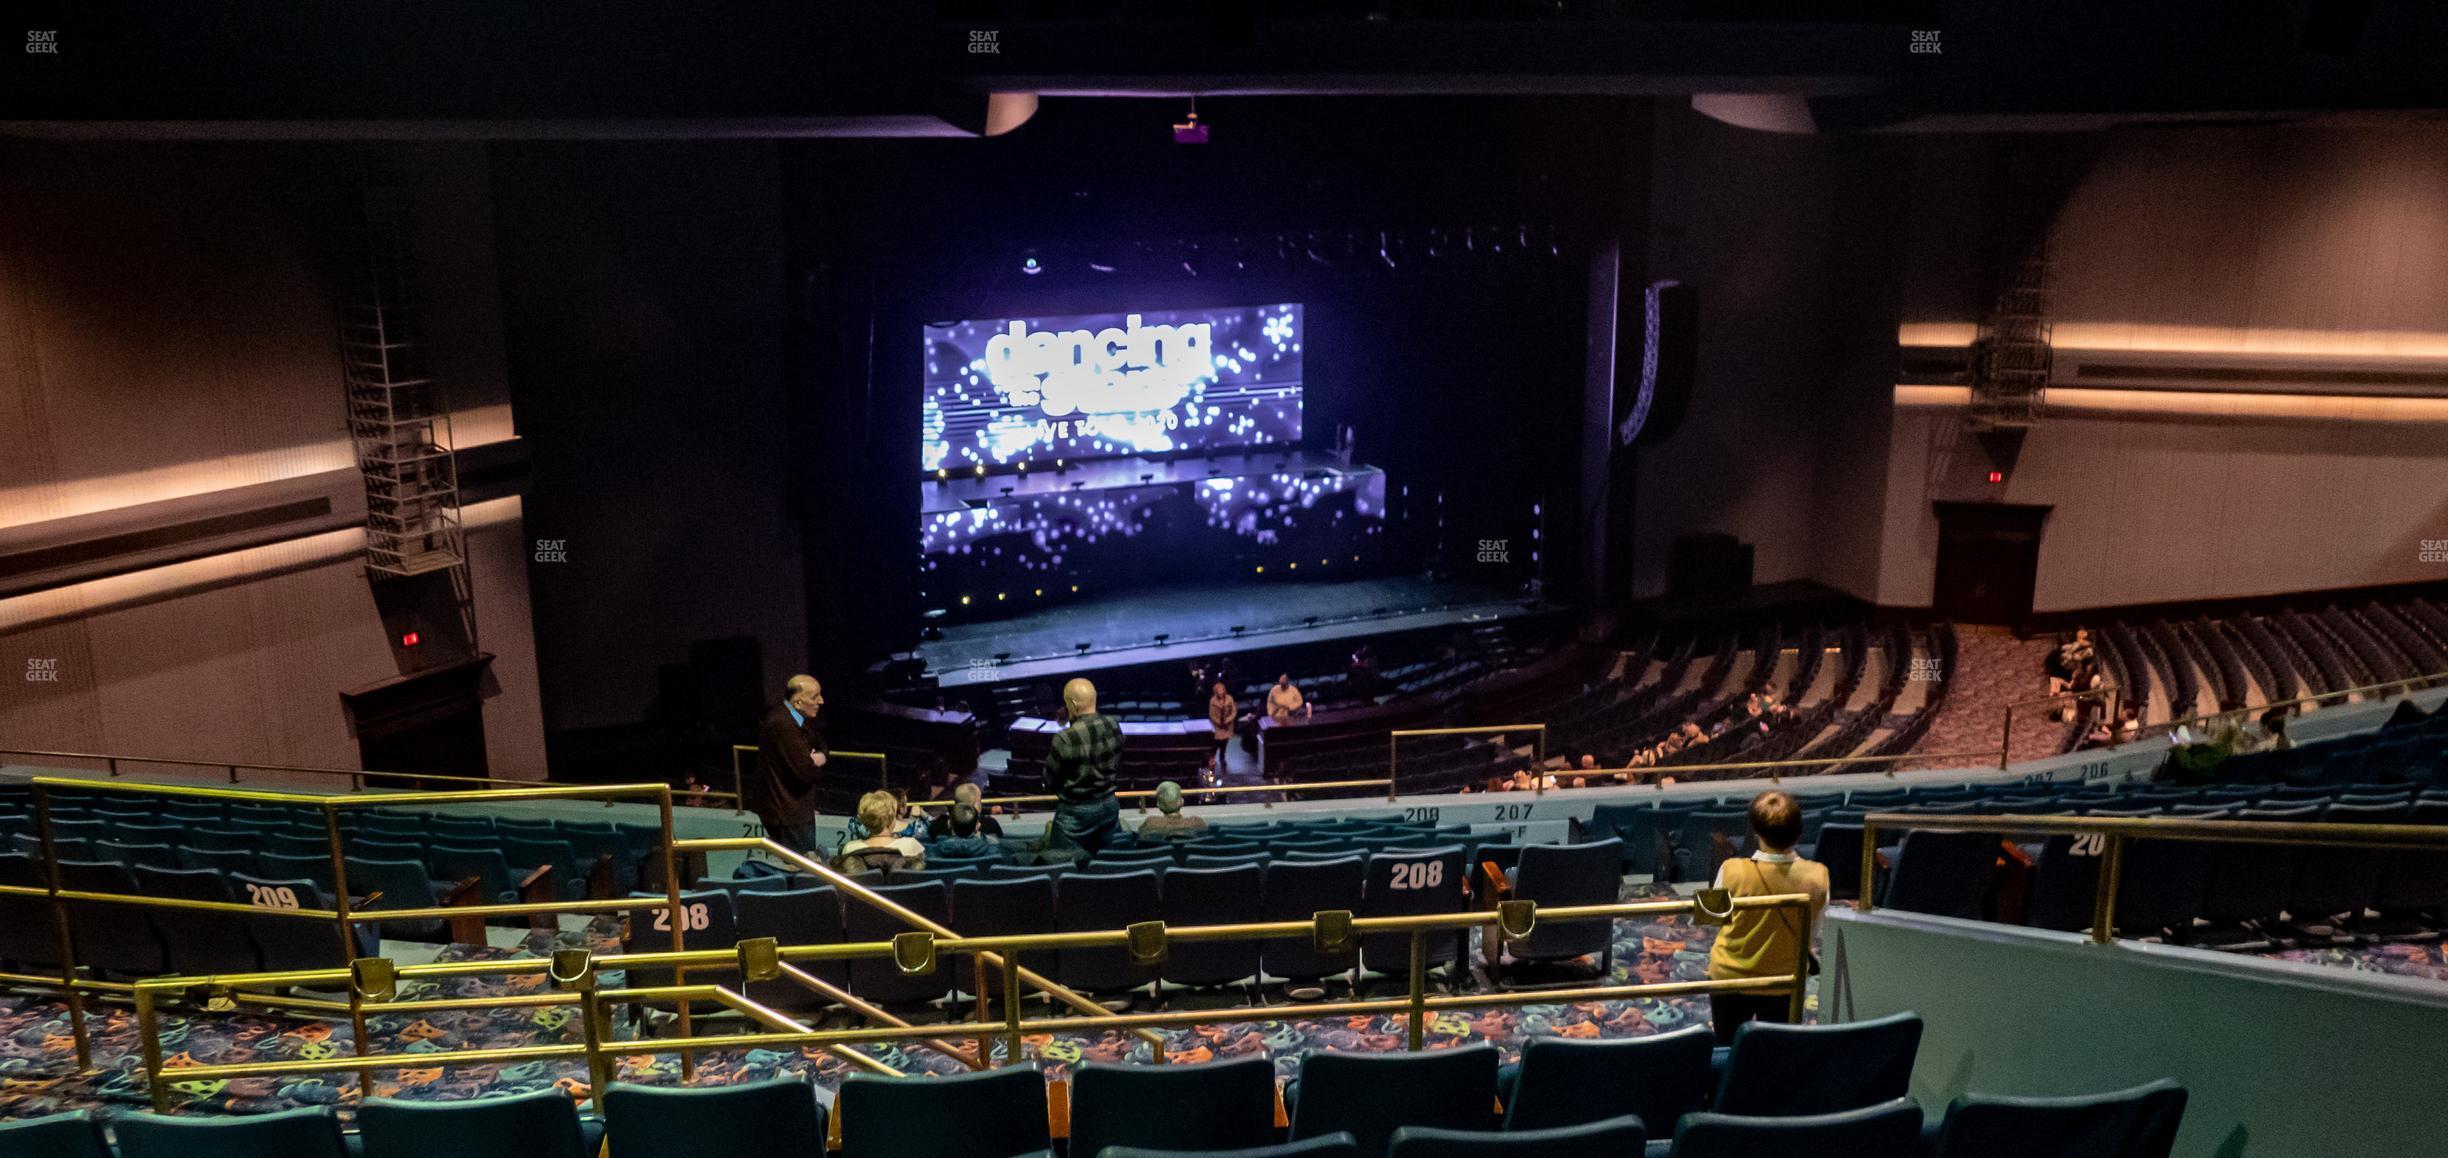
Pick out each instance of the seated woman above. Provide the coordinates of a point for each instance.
(887, 851)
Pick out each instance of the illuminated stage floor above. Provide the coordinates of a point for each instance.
(1200, 619)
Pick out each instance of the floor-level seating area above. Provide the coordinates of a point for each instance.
(1837, 1089)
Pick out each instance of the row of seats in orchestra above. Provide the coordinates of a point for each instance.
(278, 857)
(2238, 894)
(1781, 1091)
(1676, 840)
(1006, 900)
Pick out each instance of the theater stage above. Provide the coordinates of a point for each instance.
(1199, 618)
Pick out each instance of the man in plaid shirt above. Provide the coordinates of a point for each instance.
(1080, 772)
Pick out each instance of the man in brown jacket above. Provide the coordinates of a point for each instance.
(789, 766)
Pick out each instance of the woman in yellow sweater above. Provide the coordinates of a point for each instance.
(1765, 942)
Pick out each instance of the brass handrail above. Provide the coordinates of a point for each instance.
(902, 913)
(2116, 831)
(357, 775)
(1650, 773)
(574, 971)
(342, 915)
(739, 774)
(2408, 686)
(2006, 739)
(1538, 747)
(1143, 794)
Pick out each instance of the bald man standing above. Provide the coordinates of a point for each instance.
(1080, 772)
(790, 764)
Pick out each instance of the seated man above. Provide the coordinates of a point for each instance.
(1169, 823)
(966, 793)
(964, 834)
(887, 852)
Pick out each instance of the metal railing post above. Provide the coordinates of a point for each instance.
(1869, 867)
(2006, 742)
(1419, 990)
(74, 994)
(1802, 959)
(148, 1028)
(1011, 1007)
(2111, 876)
(594, 1023)
(679, 927)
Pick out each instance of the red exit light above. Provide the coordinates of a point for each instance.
(409, 639)
(1997, 476)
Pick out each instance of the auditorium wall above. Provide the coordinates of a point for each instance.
(2279, 251)
(1789, 240)
(167, 334)
(643, 290)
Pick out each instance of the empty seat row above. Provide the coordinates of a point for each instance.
(1015, 900)
(1792, 1090)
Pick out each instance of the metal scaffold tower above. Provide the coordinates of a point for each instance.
(397, 417)
(2011, 361)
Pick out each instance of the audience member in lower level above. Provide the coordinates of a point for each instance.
(964, 835)
(1169, 823)
(1765, 942)
(879, 813)
(1081, 767)
(2273, 732)
(966, 793)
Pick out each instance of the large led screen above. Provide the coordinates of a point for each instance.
(1001, 392)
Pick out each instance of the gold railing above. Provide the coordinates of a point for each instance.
(357, 777)
(2244, 714)
(573, 974)
(739, 771)
(2104, 692)
(1654, 774)
(344, 916)
(1143, 795)
(2115, 832)
(1394, 739)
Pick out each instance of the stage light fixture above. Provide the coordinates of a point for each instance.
(1077, 485)
(1041, 593)
(979, 470)
(999, 596)
(1238, 628)
(1309, 621)
(1029, 265)
(1262, 569)
(1002, 657)
(1075, 589)
(1100, 267)
(1021, 466)
(1007, 490)
(1083, 647)
(964, 601)
(1190, 132)
(1161, 637)
(941, 474)
(1291, 566)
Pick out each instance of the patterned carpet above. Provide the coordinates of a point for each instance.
(2426, 961)
(1992, 669)
(34, 1040)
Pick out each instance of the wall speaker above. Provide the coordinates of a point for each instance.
(1659, 389)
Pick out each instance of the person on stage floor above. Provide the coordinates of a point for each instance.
(1222, 714)
(789, 766)
(1080, 773)
(1283, 701)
